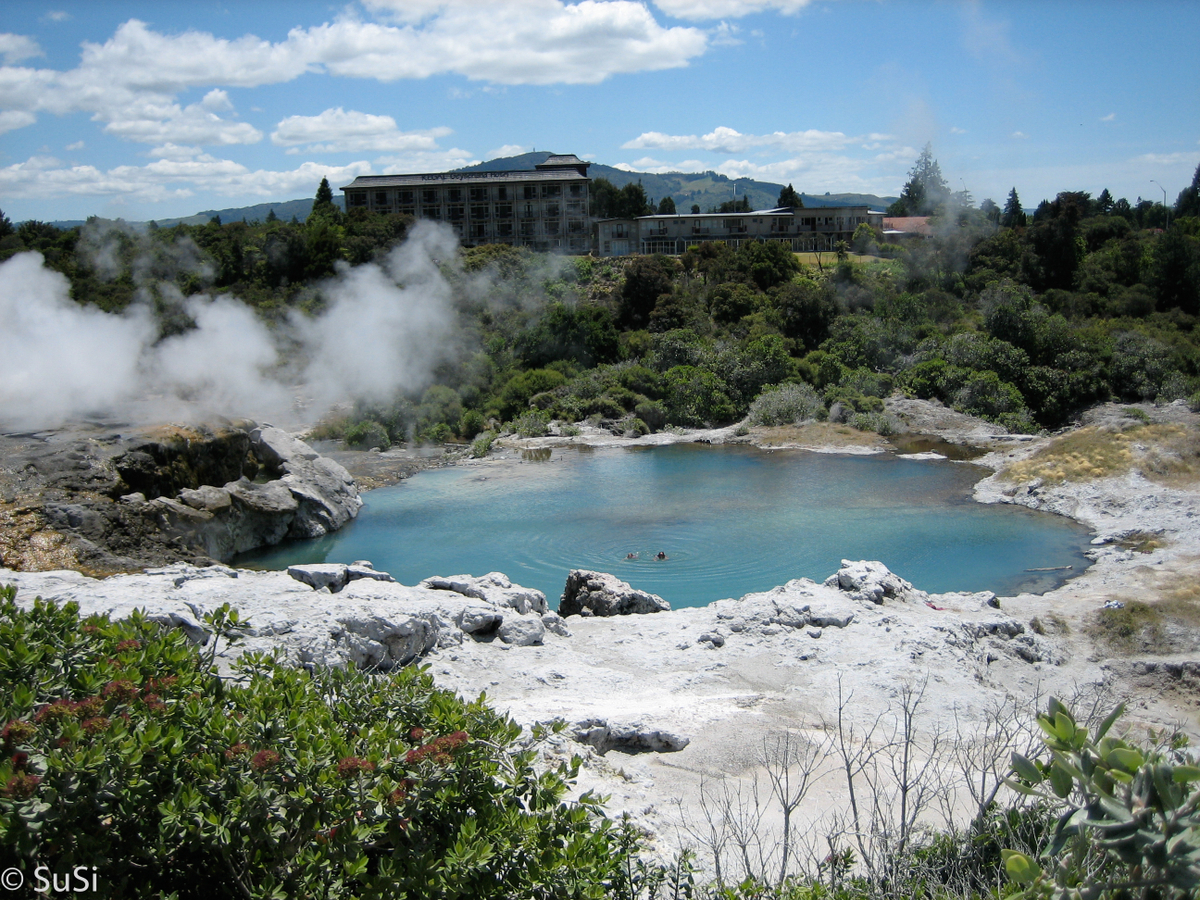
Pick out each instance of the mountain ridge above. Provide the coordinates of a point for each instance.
(704, 189)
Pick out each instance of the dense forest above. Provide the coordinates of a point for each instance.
(1023, 320)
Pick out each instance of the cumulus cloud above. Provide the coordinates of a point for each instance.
(16, 47)
(383, 329)
(12, 119)
(727, 140)
(336, 130)
(697, 10)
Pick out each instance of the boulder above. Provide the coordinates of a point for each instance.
(628, 737)
(600, 594)
(321, 575)
(494, 587)
(522, 631)
(871, 581)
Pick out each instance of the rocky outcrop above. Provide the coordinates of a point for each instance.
(494, 588)
(316, 614)
(870, 581)
(309, 497)
(600, 594)
(628, 737)
(112, 501)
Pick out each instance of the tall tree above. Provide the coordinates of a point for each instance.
(323, 208)
(1013, 216)
(666, 206)
(789, 197)
(926, 192)
(1188, 202)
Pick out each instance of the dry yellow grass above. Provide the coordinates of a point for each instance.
(816, 434)
(1166, 453)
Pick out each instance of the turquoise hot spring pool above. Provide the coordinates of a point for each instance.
(731, 520)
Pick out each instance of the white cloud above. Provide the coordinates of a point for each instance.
(696, 10)
(1165, 159)
(954, 129)
(508, 150)
(12, 119)
(726, 35)
(654, 167)
(16, 47)
(532, 42)
(78, 145)
(336, 130)
(1019, 135)
(174, 176)
(57, 15)
(148, 120)
(1110, 117)
(727, 140)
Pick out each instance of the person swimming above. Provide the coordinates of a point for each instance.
(631, 555)
(660, 555)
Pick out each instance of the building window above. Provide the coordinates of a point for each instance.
(504, 211)
(479, 230)
(429, 195)
(502, 193)
(552, 190)
(528, 213)
(574, 208)
(454, 213)
(528, 229)
(575, 226)
(551, 226)
(576, 190)
(504, 229)
(531, 192)
(479, 195)
(552, 210)
(454, 195)
(356, 199)
(479, 212)
(381, 198)
(404, 198)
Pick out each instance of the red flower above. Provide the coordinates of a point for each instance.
(20, 759)
(417, 734)
(17, 732)
(122, 691)
(235, 751)
(440, 749)
(58, 711)
(96, 724)
(263, 760)
(354, 765)
(21, 786)
(130, 644)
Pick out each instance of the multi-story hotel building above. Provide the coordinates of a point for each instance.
(545, 209)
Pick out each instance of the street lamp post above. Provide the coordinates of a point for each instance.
(1166, 208)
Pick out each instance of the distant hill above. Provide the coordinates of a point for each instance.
(705, 189)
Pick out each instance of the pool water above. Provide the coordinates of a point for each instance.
(731, 520)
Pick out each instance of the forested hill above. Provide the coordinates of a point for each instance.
(705, 189)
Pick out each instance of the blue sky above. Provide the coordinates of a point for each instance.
(152, 110)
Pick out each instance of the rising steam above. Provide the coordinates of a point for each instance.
(384, 329)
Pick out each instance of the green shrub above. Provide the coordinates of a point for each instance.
(471, 424)
(535, 423)
(1129, 823)
(125, 750)
(785, 404)
(367, 435)
(482, 444)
